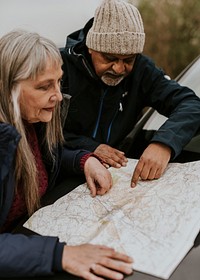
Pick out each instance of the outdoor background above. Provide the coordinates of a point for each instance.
(172, 30)
(172, 27)
(51, 18)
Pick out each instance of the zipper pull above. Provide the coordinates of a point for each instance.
(120, 107)
(124, 94)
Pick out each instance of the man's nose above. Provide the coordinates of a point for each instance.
(119, 66)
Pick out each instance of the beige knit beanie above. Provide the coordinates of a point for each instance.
(117, 29)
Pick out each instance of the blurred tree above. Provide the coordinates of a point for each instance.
(172, 30)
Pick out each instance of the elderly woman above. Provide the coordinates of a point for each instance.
(30, 156)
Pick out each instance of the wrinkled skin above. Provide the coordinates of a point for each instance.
(94, 262)
(111, 156)
(98, 178)
(151, 164)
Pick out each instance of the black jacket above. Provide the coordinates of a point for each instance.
(106, 114)
(22, 255)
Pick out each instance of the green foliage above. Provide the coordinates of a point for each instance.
(172, 30)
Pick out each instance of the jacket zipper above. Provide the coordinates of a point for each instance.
(99, 114)
(110, 126)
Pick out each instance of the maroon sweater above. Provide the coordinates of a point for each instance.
(18, 208)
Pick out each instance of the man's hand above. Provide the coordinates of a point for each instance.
(110, 156)
(152, 163)
(99, 179)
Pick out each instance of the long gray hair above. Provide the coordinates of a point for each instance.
(24, 55)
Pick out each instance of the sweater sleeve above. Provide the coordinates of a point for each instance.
(85, 157)
(71, 160)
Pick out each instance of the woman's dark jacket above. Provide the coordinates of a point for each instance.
(106, 114)
(21, 255)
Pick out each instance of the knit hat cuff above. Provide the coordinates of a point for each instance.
(123, 43)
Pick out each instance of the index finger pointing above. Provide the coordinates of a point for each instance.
(136, 173)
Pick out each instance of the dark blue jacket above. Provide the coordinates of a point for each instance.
(106, 114)
(22, 255)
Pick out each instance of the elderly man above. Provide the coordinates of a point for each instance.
(110, 82)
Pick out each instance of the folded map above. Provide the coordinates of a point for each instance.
(156, 223)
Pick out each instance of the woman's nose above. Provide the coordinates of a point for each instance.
(57, 96)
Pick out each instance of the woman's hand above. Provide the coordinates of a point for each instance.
(92, 262)
(98, 178)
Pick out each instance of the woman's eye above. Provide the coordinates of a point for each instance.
(46, 87)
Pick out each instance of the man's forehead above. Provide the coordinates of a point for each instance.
(118, 56)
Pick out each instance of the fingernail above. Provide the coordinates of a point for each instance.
(119, 276)
(133, 185)
(129, 270)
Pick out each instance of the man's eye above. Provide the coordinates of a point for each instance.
(108, 58)
(129, 61)
(111, 59)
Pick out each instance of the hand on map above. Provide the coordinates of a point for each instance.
(90, 261)
(110, 156)
(99, 179)
(152, 163)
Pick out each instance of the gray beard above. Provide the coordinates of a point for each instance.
(111, 82)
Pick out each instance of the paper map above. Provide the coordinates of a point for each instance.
(156, 223)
